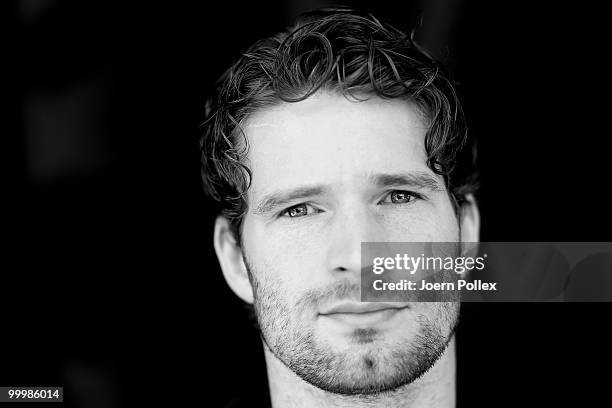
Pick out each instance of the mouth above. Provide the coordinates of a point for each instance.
(362, 307)
(363, 313)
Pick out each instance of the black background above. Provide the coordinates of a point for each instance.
(110, 285)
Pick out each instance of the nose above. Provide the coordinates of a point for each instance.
(347, 230)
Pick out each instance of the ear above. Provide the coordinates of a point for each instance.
(230, 258)
(469, 219)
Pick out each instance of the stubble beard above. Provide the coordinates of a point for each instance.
(373, 366)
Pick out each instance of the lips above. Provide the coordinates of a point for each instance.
(361, 308)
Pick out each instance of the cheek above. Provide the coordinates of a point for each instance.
(287, 256)
(421, 226)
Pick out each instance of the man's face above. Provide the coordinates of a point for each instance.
(328, 174)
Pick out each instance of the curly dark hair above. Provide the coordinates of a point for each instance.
(337, 50)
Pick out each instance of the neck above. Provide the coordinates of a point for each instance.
(436, 388)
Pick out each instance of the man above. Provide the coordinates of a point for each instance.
(337, 132)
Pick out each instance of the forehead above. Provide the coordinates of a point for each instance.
(329, 139)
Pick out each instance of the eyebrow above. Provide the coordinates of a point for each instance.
(418, 180)
(280, 199)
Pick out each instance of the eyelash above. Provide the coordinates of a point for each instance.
(285, 213)
(413, 196)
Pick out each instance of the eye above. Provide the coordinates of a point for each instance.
(296, 211)
(400, 197)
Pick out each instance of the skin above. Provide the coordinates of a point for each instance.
(301, 253)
